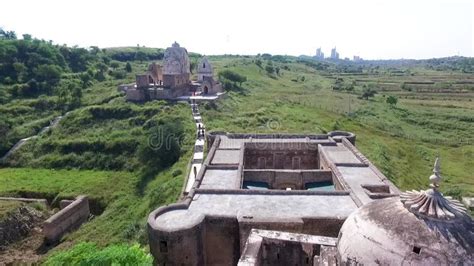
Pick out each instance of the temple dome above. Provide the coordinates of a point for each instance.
(420, 228)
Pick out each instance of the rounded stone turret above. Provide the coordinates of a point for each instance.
(419, 228)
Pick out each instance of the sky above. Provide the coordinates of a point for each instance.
(372, 29)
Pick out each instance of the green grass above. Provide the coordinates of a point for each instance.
(93, 151)
(66, 183)
(89, 254)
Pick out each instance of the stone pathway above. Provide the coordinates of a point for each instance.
(198, 156)
(22, 142)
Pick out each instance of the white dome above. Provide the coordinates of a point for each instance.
(386, 232)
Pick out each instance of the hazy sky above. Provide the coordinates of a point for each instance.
(372, 29)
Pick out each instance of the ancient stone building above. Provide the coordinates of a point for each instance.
(204, 69)
(173, 80)
(304, 200)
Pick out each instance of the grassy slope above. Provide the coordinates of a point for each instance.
(401, 141)
(127, 196)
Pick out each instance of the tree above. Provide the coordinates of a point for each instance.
(76, 95)
(368, 92)
(21, 71)
(48, 73)
(8, 35)
(141, 56)
(258, 62)
(86, 78)
(128, 67)
(27, 37)
(392, 100)
(269, 68)
(193, 65)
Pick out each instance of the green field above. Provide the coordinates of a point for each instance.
(402, 140)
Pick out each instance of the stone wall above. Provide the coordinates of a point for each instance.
(176, 80)
(135, 95)
(280, 156)
(143, 81)
(280, 179)
(67, 219)
(221, 241)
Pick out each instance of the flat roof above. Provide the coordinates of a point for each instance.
(272, 207)
(217, 188)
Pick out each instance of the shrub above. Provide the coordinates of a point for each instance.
(392, 100)
(177, 172)
(119, 74)
(90, 254)
(128, 67)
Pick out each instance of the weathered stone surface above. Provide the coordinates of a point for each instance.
(469, 202)
(266, 247)
(176, 60)
(385, 232)
(67, 219)
(204, 69)
(64, 203)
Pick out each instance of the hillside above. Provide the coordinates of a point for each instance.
(99, 148)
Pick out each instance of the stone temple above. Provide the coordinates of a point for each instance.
(305, 200)
(173, 79)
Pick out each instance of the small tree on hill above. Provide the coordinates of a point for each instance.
(269, 68)
(392, 100)
(8, 35)
(367, 93)
(128, 67)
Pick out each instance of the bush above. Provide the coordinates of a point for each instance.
(128, 67)
(177, 172)
(119, 74)
(392, 100)
(90, 254)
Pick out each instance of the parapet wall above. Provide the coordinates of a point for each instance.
(67, 219)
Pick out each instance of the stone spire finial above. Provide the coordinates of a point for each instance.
(431, 203)
(435, 178)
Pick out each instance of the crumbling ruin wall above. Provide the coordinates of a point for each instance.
(67, 219)
(17, 224)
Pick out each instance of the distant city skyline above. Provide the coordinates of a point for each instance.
(371, 29)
